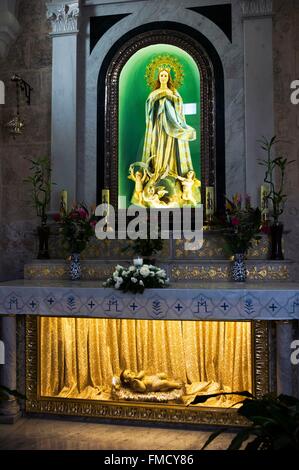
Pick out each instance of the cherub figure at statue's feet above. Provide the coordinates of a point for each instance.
(188, 183)
(139, 180)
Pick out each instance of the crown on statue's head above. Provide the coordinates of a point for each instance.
(164, 67)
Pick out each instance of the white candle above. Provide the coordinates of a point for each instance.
(138, 262)
(63, 201)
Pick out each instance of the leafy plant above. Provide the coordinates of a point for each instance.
(275, 424)
(40, 181)
(274, 177)
(6, 393)
(241, 224)
(77, 227)
(148, 246)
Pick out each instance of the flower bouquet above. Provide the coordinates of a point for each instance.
(76, 227)
(136, 278)
(241, 224)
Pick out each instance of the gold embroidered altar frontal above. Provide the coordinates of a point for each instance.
(79, 357)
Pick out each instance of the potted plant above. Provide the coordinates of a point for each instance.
(76, 227)
(274, 424)
(147, 247)
(275, 169)
(40, 182)
(240, 226)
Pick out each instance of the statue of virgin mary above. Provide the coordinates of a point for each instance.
(169, 177)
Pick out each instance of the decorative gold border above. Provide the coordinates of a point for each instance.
(140, 411)
(260, 340)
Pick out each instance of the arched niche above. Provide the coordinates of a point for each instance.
(210, 98)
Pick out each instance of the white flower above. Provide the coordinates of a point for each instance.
(134, 280)
(118, 267)
(141, 283)
(132, 269)
(144, 271)
(118, 282)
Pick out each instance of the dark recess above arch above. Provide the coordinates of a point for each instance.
(99, 25)
(221, 15)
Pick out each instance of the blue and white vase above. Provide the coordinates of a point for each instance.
(239, 268)
(75, 267)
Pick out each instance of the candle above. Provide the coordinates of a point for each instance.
(138, 262)
(264, 203)
(210, 201)
(106, 199)
(63, 202)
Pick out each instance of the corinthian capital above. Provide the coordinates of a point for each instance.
(256, 8)
(63, 17)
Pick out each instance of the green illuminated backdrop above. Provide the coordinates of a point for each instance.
(133, 92)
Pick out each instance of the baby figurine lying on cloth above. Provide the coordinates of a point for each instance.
(140, 382)
(139, 386)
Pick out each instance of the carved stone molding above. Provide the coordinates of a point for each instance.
(252, 8)
(63, 17)
(9, 26)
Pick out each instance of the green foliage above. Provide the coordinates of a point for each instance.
(40, 182)
(275, 424)
(241, 224)
(275, 168)
(77, 227)
(6, 393)
(147, 247)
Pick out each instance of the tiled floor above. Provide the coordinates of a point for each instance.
(33, 433)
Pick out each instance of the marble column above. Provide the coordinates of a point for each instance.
(9, 25)
(258, 75)
(9, 409)
(284, 368)
(63, 17)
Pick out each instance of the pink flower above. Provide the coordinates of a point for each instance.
(266, 229)
(235, 221)
(56, 217)
(93, 223)
(82, 212)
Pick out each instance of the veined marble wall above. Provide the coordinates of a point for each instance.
(30, 56)
(286, 69)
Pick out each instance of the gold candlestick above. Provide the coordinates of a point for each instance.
(63, 202)
(210, 202)
(264, 202)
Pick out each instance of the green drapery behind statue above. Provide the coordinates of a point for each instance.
(79, 357)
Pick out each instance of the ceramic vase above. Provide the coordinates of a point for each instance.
(239, 268)
(75, 267)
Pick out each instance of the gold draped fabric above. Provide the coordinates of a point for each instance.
(79, 357)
